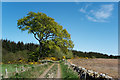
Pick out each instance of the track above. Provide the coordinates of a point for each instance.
(56, 75)
(59, 72)
(42, 76)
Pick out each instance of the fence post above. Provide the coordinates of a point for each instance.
(6, 73)
(16, 70)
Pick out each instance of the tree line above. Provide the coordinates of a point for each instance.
(93, 55)
(12, 46)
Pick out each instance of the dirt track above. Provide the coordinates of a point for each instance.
(42, 76)
(46, 71)
(109, 66)
(59, 72)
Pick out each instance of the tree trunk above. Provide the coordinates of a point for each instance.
(40, 50)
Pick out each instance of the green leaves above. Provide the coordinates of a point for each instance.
(46, 31)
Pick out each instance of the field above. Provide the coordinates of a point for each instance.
(107, 66)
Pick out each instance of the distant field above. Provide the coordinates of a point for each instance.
(109, 66)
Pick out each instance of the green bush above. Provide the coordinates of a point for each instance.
(69, 55)
(58, 54)
(33, 56)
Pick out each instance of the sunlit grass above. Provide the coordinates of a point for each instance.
(67, 73)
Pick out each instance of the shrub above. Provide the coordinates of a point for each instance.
(69, 55)
(53, 58)
(58, 54)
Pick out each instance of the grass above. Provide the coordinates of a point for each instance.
(0, 71)
(53, 71)
(34, 72)
(67, 73)
(11, 68)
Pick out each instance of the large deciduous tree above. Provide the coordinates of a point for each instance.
(46, 31)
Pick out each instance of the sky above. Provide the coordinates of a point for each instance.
(93, 25)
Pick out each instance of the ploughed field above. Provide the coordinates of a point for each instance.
(109, 66)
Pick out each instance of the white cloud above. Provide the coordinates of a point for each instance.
(91, 18)
(95, 20)
(83, 10)
(99, 15)
(104, 12)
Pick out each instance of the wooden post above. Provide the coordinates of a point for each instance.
(6, 73)
(16, 70)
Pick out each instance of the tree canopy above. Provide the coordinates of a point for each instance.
(49, 33)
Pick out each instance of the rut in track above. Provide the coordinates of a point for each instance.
(46, 71)
(59, 72)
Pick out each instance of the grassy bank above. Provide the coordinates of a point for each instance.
(67, 73)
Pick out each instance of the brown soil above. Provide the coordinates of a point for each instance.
(107, 66)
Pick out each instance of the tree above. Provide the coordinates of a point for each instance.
(45, 30)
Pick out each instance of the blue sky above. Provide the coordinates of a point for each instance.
(93, 26)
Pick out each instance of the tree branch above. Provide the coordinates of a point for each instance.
(35, 36)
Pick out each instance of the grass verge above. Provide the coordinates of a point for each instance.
(67, 73)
